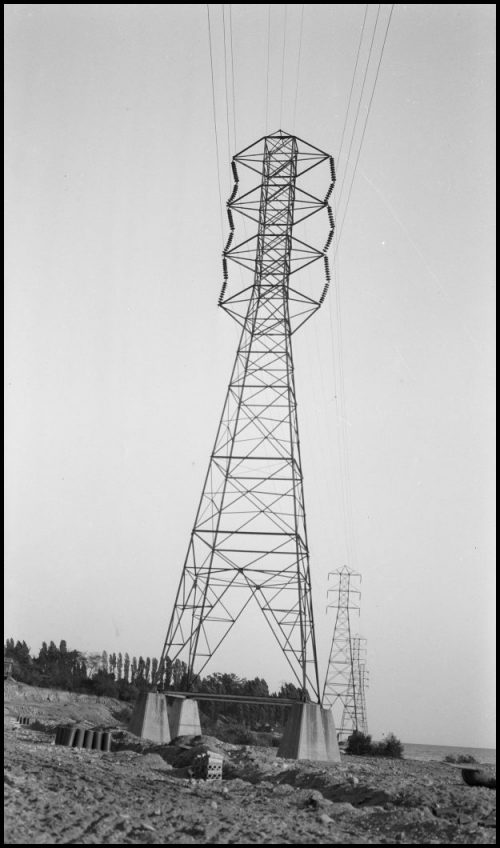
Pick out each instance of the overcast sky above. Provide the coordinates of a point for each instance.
(117, 357)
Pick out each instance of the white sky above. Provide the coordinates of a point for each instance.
(117, 358)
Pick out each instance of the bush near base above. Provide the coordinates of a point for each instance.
(361, 744)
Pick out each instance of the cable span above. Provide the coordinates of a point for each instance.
(366, 122)
(215, 121)
(298, 67)
(283, 67)
(359, 105)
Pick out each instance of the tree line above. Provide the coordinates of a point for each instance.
(117, 675)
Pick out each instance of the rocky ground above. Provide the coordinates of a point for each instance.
(144, 793)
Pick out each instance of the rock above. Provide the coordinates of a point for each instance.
(283, 789)
(324, 819)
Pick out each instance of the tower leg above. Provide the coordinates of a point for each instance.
(149, 719)
(185, 718)
(304, 736)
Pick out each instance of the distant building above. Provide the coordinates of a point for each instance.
(8, 665)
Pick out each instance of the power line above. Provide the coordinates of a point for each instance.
(268, 54)
(366, 122)
(232, 72)
(283, 66)
(352, 83)
(226, 92)
(359, 105)
(215, 123)
(298, 66)
(338, 358)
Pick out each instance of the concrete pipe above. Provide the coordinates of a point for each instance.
(68, 736)
(88, 738)
(106, 741)
(79, 736)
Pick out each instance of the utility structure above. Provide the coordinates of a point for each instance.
(346, 676)
(249, 539)
(354, 712)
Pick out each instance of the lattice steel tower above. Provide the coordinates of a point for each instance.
(354, 713)
(343, 676)
(249, 538)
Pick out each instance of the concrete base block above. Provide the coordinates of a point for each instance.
(331, 741)
(149, 719)
(304, 735)
(185, 718)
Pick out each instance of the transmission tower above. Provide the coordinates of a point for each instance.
(342, 681)
(354, 712)
(249, 539)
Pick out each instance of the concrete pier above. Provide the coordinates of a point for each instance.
(184, 718)
(304, 737)
(149, 719)
(331, 741)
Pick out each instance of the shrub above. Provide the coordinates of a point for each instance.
(459, 758)
(362, 745)
(359, 743)
(389, 747)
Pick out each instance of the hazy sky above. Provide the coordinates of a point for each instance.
(117, 357)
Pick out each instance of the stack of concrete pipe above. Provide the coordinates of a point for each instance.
(80, 737)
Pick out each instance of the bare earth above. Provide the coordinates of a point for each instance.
(143, 793)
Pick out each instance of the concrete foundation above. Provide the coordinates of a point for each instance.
(304, 735)
(331, 741)
(149, 719)
(184, 718)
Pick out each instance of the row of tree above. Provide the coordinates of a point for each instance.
(118, 676)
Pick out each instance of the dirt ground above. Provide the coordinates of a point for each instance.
(143, 793)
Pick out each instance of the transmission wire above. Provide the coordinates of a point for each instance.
(352, 83)
(283, 66)
(215, 123)
(232, 72)
(268, 54)
(359, 105)
(366, 122)
(226, 92)
(343, 443)
(298, 67)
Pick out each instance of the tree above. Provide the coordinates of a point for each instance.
(119, 666)
(154, 669)
(104, 661)
(147, 669)
(179, 673)
(126, 667)
(63, 648)
(140, 668)
(161, 674)
(133, 673)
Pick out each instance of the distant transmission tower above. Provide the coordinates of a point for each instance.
(354, 712)
(249, 539)
(343, 687)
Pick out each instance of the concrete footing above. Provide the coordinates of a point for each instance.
(184, 718)
(331, 741)
(149, 719)
(309, 735)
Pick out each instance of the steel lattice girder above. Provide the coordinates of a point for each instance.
(249, 538)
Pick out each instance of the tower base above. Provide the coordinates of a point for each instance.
(305, 738)
(149, 719)
(185, 718)
(331, 741)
